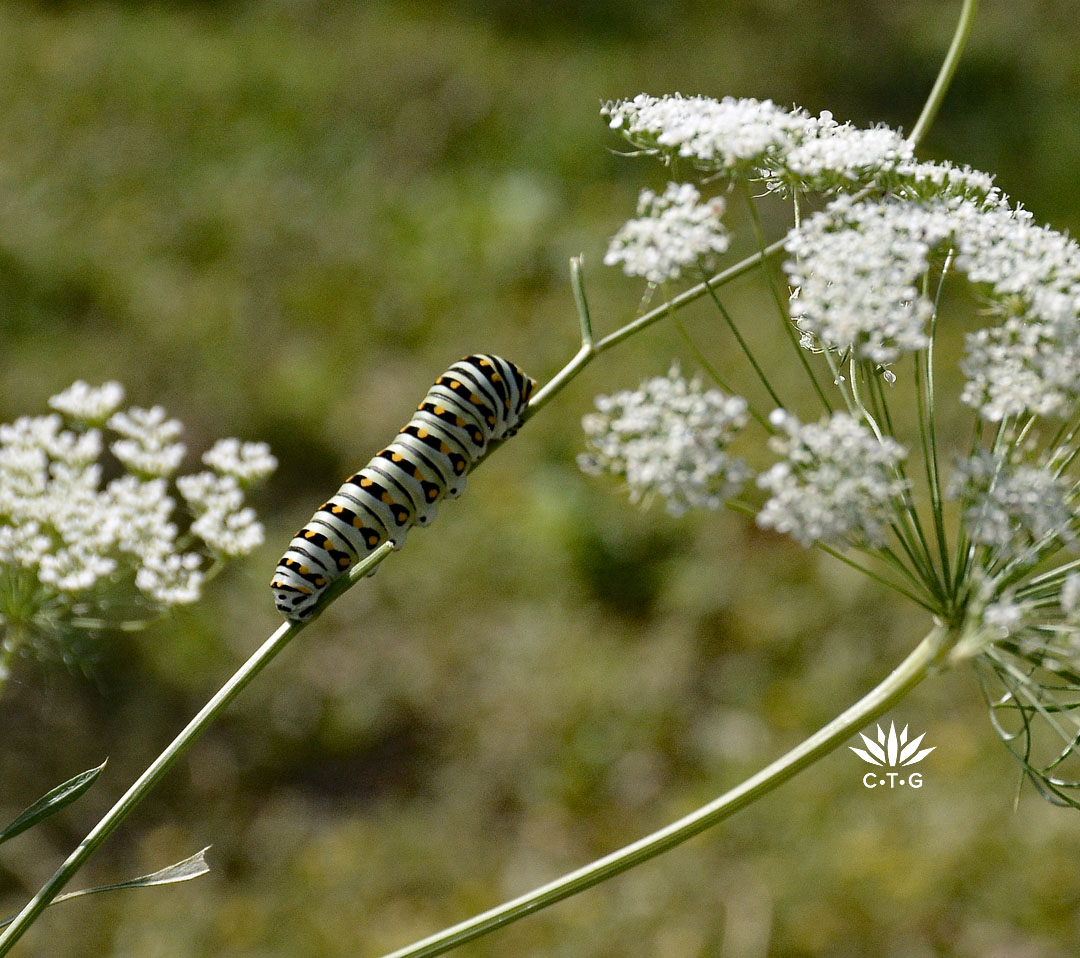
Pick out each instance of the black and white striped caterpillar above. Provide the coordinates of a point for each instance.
(475, 402)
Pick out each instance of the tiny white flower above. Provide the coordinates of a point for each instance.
(247, 462)
(674, 231)
(1010, 507)
(837, 483)
(89, 404)
(149, 445)
(668, 439)
(173, 579)
(717, 134)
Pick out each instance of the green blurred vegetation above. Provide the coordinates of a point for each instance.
(282, 218)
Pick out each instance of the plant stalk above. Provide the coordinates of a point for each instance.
(946, 73)
(161, 765)
(871, 706)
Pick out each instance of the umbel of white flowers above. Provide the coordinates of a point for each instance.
(79, 551)
(864, 272)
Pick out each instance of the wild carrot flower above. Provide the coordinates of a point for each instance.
(865, 272)
(675, 230)
(79, 550)
(668, 440)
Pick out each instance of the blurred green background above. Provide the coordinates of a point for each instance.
(281, 219)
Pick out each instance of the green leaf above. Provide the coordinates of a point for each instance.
(52, 802)
(184, 870)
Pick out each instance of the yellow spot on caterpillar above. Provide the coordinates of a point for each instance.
(444, 448)
(304, 589)
(459, 422)
(396, 457)
(439, 410)
(356, 522)
(365, 482)
(373, 540)
(387, 498)
(455, 384)
(422, 433)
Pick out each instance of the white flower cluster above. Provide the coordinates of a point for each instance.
(716, 134)
(1028, 363)
(1010, 507)
(856, 266)
(667, 439)
(673, 231)
(73, 547)
(837, 483)
(788, 150)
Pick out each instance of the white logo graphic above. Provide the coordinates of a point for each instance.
(892, 751)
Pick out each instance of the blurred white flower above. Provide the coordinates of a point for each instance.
(78, 553)
(88, 404)
(149, 446)
(247, 462)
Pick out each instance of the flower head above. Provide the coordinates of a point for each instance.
(673, 231)
(668, 439)
(77, 551)
(837, 483)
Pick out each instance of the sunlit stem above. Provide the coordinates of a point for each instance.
(946, 73)
(161, 765)
(577, 284)
(590, 351)
(894, 687)
(781, 305)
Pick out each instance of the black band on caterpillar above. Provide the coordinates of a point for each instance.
(477, 401)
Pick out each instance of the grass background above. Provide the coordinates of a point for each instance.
(281, 219)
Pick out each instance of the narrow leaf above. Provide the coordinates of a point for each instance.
(189, 868)
(51, 802)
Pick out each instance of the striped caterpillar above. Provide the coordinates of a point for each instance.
(477, 401)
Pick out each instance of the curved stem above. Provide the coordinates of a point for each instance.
(895, 686)
(945, 74)
(157, 769)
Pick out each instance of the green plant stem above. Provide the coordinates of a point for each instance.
(946, 73)
(158, 768)
(892, 689)
(590, 350)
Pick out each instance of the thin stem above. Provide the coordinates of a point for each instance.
(781, 306)
(590, 351)
(161, 765)
(744, 346)
(892, 689)
(577, 284)
(693, 293)
(946, 73)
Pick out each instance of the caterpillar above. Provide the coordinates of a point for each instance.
(477, 401)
